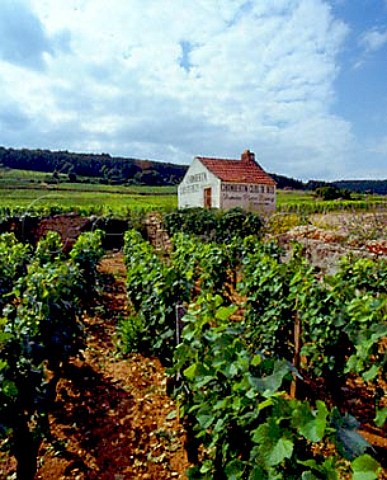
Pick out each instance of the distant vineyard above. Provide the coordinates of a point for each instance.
(98, 200)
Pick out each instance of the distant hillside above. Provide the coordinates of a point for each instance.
(104, 168)
(363, 186)
(107, 169)
(286, 182)
(378, 187)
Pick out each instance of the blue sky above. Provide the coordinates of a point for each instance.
(302, 83)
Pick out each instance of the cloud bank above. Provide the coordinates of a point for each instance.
(168, 80)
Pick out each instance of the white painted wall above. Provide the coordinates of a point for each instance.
(196, 179)
(253, 197)
(258, 198)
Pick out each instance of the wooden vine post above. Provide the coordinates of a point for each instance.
(296, 355)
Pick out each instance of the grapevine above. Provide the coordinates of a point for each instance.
(39, 331)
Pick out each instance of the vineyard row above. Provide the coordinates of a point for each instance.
(257, 332)
(42, 294)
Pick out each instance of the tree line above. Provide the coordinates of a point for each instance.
(105, 168)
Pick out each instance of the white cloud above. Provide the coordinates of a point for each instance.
(374, 39)
(260, 76)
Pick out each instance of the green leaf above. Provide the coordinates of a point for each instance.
(9, 388)
(190, 372)
(261, 434)
(193, 473)
(308, 476)
(3, 364)
(326, 470)
(233, 370)
(265, 404)
(172, 415)
(381, 417)
(365, 468)
(256, 360)
(206, 467)
(281, 450)
(224, 313)
(270, 384)
(311, 424)
(371, 373)
(205, 420)
(258, 473)
(234, 470)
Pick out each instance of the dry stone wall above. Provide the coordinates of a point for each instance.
(324, 249)
(157, 236)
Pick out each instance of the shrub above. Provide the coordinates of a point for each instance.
(213, 225)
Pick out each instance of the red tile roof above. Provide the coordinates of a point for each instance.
(237, 171)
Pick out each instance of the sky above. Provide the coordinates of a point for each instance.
(301, 83)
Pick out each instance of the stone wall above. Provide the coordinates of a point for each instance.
(157, 236)
(324, 249)
(68, 226)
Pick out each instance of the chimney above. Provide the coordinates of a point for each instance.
(248, 157)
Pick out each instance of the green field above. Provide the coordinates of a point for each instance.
(83, 200)
(35, 193)
(305, 202)
(28, 192)
(294, 196)
(9, 175)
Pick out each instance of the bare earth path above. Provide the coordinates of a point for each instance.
(112, 418)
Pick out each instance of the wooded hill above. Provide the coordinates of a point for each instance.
(104, 168)
(363, 186)
(107, 169)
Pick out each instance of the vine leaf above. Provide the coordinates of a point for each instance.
(311, 424)
(365, 468)
(281, 450)
(371, 373)
(224, 313)
(234, 470)
(381, 417)
(269, 385)
(273, 447)
(190, 371)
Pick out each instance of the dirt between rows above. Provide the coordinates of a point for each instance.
(112, 418)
